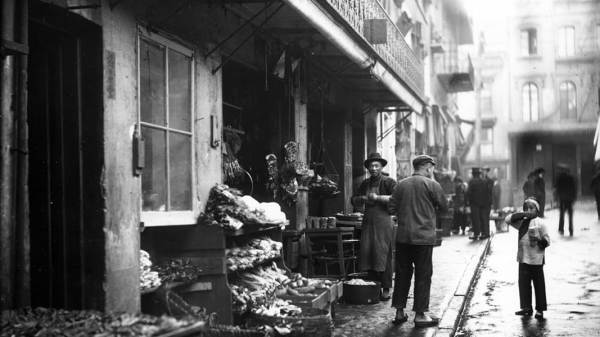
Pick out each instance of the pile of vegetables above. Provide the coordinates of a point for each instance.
(255, 252)
(149, 279)
(40, 322)
(178, 270)
(227, 207)
(278, 308)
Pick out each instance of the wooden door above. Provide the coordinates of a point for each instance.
(66, 156)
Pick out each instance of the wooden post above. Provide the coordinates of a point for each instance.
(348, 160)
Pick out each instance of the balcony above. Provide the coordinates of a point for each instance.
(395, 52)
(454, 71)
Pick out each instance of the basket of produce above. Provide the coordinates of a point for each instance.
(236, 331)
(287, 318)
(59, 322)
(359, 291)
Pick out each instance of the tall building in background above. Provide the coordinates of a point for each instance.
(538, 92)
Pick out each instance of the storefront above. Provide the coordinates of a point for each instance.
(172, 101)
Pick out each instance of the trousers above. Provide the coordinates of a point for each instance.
(409, 259)
(529, 274)
(565, 206)
(480, 220)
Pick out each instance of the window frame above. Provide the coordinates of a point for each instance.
(568, 85)
(530, 100)
(564, 48)
(532, 44)
(180, 217)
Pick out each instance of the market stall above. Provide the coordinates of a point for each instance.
(231, 264)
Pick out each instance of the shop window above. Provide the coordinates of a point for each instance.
(530, 102)
(528, 42)
(165, 120)
(566, 41)
(568, 100)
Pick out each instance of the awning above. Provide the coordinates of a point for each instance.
(325, 24)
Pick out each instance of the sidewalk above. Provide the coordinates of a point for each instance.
(454, 265)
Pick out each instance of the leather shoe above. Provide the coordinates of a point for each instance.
(539, 315)
(432, 321)
(524, 312)
(399, 320)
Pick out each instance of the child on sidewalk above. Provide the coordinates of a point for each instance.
(533, 240)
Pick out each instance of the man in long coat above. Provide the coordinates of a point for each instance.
(377, 232)
(415, 201)
(479, 196)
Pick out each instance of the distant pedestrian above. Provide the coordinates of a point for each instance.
(459, 221)
(415, 201)
(528, 189)
(539, 189)
(479, 198)
(532, 243)
(377, 233)
(566, 192)
(596, 185)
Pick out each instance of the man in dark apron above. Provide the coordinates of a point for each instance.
(377, 232)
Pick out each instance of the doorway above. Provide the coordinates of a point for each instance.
(66, 158)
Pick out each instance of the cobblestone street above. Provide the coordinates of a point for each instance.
(572, 273)
(450, 264)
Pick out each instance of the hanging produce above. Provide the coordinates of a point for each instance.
(283, 181)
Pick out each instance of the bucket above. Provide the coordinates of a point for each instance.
(362, 294)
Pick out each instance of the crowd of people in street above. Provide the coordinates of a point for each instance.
(417, 201)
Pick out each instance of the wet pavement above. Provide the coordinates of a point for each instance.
(572, 273)
(450, 264)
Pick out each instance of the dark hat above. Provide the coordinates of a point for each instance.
(539, 170)
(422, 159)
(375, 156)
(476, 170)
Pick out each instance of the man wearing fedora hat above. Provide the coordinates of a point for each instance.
(415, 201)
(376, 242)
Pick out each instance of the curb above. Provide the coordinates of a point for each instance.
(455, 302)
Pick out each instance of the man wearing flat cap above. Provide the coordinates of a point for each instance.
(376, 241)
(479, 197)
(415, 201)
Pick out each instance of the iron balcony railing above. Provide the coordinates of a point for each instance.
(396, 53)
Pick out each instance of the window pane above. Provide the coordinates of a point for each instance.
(154, 176)
(152, 83)
(532, 41)
(179, 91)
(180, 171)
(534, 102)
(572, 100)
(563, 97)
